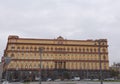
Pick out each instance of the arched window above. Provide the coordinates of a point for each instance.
(79, 49)
(83, 50)
(31, 48)
(35, 66)
(35, 49)
(103, 43)
(71, 49)
(94, 50)
(76, 49)
(64, 49)
(104, 57)
(27, 48)
(30, 66)
(17, 66)
(12, 47)
(56, 49)
(23, 48)
(87, 50)
(51, 49)
(12, 55)
(26, 66)
(47, 49)
(95, 43)
(21, 66)
(90, 49)
(18, 48)
(103, 50)
(67, 49)
(51, 67)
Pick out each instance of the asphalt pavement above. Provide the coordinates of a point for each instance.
(66, 82)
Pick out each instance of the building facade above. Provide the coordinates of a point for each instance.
(59, 58)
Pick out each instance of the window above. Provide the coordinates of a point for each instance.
(56, 49)
(67, 49)
(12, 47)
(47, 49)
(104, 57)
(51, 49)
(35, 66)
(103, 50)
(64, 49)
(79, 49)
(22, 48)
(12, 55)
(35, 49)
(30, 66)
(87, 50)
(51, 66)
(26, 66)
(94, 50)
(83, 50)
(31, 48)
(18, 48)
(103, 44)
(71, 49)
(26, 48)
(91, 50)
(76, 49)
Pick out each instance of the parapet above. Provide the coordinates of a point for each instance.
(13, 37)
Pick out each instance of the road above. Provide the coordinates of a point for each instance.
(68, 82)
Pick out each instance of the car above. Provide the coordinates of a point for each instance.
(37, 78)
(86, 79)
(66, 79)
(76, 79)
(108, 79)
(15, 80)
(49, 79)
(2, 80)
(57, 80)
(95, 79)
(5, 82)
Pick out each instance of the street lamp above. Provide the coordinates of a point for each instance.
(17, 72)
(40, 51)
(99, 53)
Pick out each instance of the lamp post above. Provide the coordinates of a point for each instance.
(40, 72)
(17, 73)
(99, 53)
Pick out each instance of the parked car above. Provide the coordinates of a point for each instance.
(76, 79)
(2, 80)
(37, 78)
(57, 80)
(95, 79)
(49, 79)
(107, 79)
(86, 79)
(5, 82)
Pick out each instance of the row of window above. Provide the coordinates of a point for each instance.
(59, 66)
(47, 56)
(59, 49)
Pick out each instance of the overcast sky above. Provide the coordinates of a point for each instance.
(72, 19)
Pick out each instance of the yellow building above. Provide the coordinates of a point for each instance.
(59, 58)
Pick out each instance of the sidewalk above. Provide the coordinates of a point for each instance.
(66, 82)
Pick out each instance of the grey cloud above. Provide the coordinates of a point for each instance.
(72, 19)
